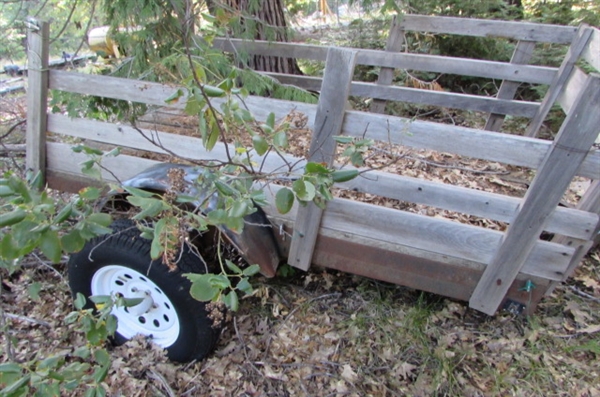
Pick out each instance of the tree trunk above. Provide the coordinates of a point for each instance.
(265, 20)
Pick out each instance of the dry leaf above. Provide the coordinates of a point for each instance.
(349, 374)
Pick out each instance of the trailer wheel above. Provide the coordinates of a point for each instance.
(120, 263)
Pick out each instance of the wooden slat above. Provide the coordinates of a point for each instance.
(37, 96)
(61, 159)
(457, 282)
(490, 28)
(422, 62)
(591, 53)
(572, 222)
(453, 198)
(386, 75)
(458, 66)
(508, 89)
(420, 96)
(570, 147)
(328, 123)
(575, 50)
(186, 147)
(485, 145)
(155, 93)
(572, 88)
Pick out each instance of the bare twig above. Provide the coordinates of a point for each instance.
(27, 319)
(163, 382)
(584, 294)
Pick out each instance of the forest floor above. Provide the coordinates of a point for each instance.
(324, 333)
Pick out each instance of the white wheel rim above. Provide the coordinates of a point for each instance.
(155, 317)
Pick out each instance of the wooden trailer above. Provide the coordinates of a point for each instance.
(488, 268)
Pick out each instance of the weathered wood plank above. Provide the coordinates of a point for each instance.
(38, 38)
(460, 66)
(508, 89)
(426, 97)
(575, 50)
(570, 147)
(185, 147)
(591, 53)
(446, 99)
(485, 145)
(328, 123)
(155, 93)
(431, 63)
(62, 159)
(572, 88)
(442, 278)
(386, 75)
(572, 222)
(490, 28)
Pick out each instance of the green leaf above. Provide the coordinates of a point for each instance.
(244, 286)
(90, 193)
(251, 270)
(316, 168)
(219, 281)
(139, 192)
(80, 301)
(344, 175)
(260, 144)
(202, 290)
(101, 299)
(231, 301)
(63, 214)
(357, 159)
(217, 217)
(13, 217)
(224, 188)
(233, 267)
(238, 209)
(72, 241)
(102, 358)
(304, 190)
(214, 135)
(343, 139)
(284, 200)
(50, 245)
(10, 367)
(100, 218)
(213, 92)
(6, 191)
(174, 97)
(14, 387)
(34, 290)
(280, 139)
(111, 324)
(271, 120)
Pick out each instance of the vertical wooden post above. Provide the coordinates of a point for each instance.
(508, 89)
(331, 109)
(37, 94)
(386, 75)
(577, 47)
(562, 161)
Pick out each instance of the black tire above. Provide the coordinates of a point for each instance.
(124, 255)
